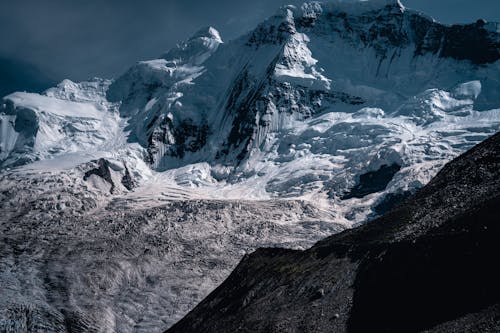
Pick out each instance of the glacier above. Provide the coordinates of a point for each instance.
(124, 202)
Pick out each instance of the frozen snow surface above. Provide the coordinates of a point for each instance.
(125, 202)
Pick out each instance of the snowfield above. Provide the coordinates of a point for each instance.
(125, 202)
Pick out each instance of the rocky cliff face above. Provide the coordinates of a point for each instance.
(428, 265)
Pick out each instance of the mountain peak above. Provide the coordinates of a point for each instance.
(276, 29)
(208, 32)
(196, 49)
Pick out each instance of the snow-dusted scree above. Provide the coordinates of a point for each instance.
(319, 119)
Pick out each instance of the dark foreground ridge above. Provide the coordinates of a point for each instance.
(429, 265)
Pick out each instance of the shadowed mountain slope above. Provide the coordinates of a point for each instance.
(428, 265)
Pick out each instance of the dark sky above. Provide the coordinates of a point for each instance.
(46, 41)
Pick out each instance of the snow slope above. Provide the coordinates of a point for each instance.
(67, 119)
(344, 107)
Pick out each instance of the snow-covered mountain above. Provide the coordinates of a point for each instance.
(339, 109)
(303, 105)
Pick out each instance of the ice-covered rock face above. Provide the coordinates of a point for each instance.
(270, 102)
(310, 92)
(70, 118)
(149, 94)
